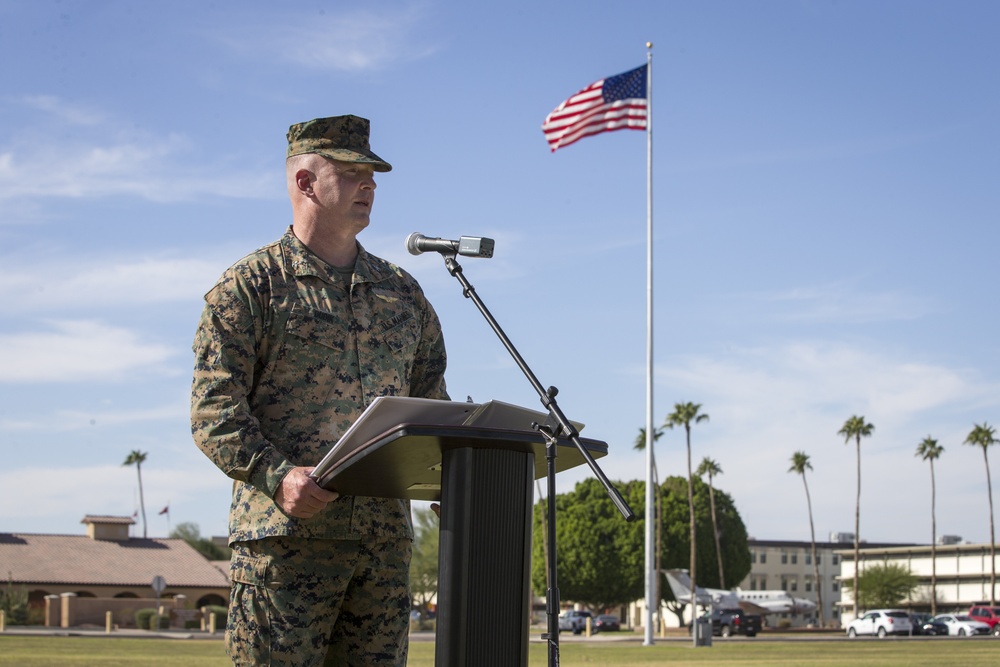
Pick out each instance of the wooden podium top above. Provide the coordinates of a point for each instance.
(405, 461)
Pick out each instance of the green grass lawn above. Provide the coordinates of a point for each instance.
(936, 652)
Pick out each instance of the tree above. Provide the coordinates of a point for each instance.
(676, 537)
(640, 444)
(683, 415)
(599, 555)
(800, 463)
(711, 468)
(984, 435)
(424, 558)
(137, 458)
(883, 585)
(929, 450)
(856, 427)
(190, 533)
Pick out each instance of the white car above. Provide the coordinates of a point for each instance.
(963, 625)
(881, 622)
(575, 620)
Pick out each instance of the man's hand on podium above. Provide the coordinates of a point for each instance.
(300, 496)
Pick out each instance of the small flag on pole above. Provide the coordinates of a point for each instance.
(165, 510)
(615, 103)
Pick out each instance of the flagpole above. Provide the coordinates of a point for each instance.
(652, 578)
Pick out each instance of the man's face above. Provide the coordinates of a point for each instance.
(346, 192)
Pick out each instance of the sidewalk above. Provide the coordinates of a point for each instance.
(94, 631)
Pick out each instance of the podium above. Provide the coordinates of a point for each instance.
(483, 478)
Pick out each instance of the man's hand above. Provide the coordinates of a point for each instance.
(300, 496)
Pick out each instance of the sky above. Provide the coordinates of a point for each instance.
(825, 204)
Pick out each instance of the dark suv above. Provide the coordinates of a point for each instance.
(988, 615)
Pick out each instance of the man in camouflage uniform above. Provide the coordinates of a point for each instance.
(295, 340)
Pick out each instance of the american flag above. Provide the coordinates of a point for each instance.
(615, 103)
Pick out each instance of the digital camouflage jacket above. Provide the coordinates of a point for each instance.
(287, 356)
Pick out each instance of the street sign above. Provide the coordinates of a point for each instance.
(159, 585)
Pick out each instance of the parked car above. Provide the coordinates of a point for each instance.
(574, 620)
(988, 615)
(880, 622)
(607, 623)
(735, 621)
(963, 625)
(924, 624)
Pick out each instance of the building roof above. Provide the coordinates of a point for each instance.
(792, 544)
(72, 559)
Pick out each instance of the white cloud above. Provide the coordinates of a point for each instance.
(75, 114)
(146, 169)
(101, 489)
(83, 154)
(804, 381)
(75, 420)
(71, 285)
(765, 403)
(78, 350)
(346, 41)
(839, 303)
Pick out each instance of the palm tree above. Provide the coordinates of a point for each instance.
(856, 427)
(640, 444)
(800, 463)
(136, 457)
(929, 450)
(985, 435)
(711, 468)
(684, 414)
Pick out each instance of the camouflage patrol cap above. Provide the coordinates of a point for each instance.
(342, 138)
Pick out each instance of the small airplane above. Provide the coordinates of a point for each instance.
(753, 602)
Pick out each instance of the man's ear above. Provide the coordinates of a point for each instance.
(304, 181)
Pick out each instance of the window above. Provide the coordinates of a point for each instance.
(784, 558)
(795, 585)
(763, 556)
(795, 559)
(835, 587)
(836, 559)
(819, 559)
(753, 556)
(809, 586)
(809, 558)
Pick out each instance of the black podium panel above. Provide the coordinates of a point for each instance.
(484, 566)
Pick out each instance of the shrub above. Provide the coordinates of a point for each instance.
(14, 602)
(143, 618)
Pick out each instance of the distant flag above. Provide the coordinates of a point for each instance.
(165, 510)
(135, 514)
(615, 103)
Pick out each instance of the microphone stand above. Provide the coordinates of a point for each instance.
(563, 429)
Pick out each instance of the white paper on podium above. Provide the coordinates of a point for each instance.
(386, 412)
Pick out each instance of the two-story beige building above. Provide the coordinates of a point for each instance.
(787, 565)
(962, 576)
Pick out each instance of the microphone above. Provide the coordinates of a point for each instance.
(468, 246)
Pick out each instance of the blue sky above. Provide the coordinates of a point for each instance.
(825, 201)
